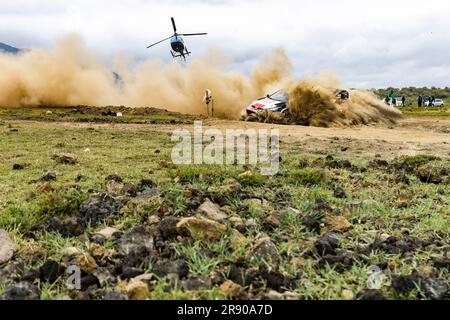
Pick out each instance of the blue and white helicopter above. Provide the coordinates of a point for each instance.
(179, 49)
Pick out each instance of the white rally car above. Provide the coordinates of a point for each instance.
(276, 102)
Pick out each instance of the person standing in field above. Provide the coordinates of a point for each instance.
(419, 101)
(403, 101)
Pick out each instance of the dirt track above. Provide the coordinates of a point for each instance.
(410, 136)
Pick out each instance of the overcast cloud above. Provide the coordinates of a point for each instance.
(368, 43)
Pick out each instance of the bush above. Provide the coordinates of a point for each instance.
(308, 177)
(416, 161)
(59, 204)
(252, 179)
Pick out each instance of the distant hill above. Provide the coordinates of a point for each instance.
(9, 49)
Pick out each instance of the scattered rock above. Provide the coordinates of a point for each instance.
(251, 224)
(71, 252)
(50, 271)
(130, 189)
(104, 277)
(434, 288)
(238, 224)
(136, 245)
(426, 271)
(168, 227)
(276, 280)
(131, 272)
(273, 220)
(21, 291)
(212, 211)
(45, 187)
(98, 209)
(340, 193)
(231, 290)
(86, 263)
(428, 174)
(136, 290)
(370, 294)
(12, 272)
(106, 233)
(146, 183)
(179, 267)
(312, 223)
(50, 176)
(335, 223)
(320, 205)
(18, 166)
(153, 220)
(202, 229)
(65, 158)
(114, 177)
(327, 245)
(70, 227)
(89, 282)
(115, 296)
(7, 247)
(266, 250)
(347, 294)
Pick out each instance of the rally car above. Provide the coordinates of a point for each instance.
(278, 102)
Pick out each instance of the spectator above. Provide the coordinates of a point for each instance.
(430, 101)
(387, 100)
(419, 101)
(403, 101)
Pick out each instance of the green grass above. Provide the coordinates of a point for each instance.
(427, 112)
(372, 196)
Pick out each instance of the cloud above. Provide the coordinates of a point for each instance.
(369, 43)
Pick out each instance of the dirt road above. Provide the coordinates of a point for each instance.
(409, 137)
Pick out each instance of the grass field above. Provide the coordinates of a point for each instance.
(313, 231)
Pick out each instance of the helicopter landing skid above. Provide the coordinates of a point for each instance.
(179, 55)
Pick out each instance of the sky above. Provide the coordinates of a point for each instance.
(369, 44)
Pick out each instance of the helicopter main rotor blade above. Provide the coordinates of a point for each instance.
(193, 34)
(173, 24)
(159, 42)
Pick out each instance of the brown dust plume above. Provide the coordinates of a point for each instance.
(70, 75)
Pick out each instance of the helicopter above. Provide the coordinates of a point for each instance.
(179, 49)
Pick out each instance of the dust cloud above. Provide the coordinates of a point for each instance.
(69, 75)
(316, 102)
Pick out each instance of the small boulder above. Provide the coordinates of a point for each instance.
(65, 158)
(21, 291)
(114, 177)
(340, 193)
(135, 245)
(212, 211)
(335, 223)
(49, 176)
(86, 263)
(136, 290)
(18, 166)
(202, 229)
(106, 233)
(50, 271)
(266, 250)
(7, 247)
(231, 290)
(168, 227)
